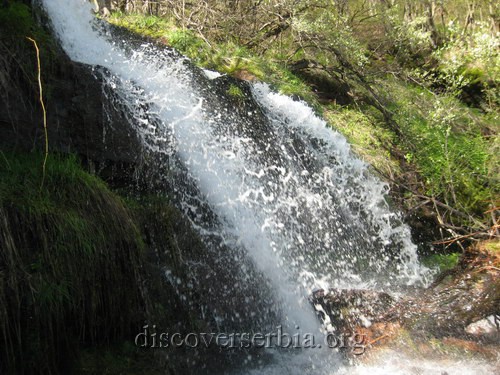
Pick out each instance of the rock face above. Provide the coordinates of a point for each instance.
(85, 116)
(345, 310)
(464, 295)
(460, 311)
(81, 115)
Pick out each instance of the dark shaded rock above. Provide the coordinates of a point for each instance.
(327, 84)
(190, 283)
(347, 309)
(459, 310)
(459, 297)
(216, 291)
(81, 117)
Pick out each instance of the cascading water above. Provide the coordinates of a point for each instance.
(288, 197)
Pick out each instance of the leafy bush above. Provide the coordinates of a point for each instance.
(472, 61)
(410, 38)
(443, 138)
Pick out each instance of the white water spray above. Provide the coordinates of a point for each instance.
(310, 217)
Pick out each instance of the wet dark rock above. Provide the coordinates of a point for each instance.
(459, 297)
(81, 117)
(347, 309)
(189, 283)
(326, 82)
(76, 118)
(459, 310)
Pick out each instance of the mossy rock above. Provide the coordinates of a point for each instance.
(70, 263)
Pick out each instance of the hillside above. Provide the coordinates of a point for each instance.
(414, 87)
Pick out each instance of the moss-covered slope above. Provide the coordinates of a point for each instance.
(69, 263)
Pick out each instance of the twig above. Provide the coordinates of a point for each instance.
(377, 339)
(455, 239)
(43, 109)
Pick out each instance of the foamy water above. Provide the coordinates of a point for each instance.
(312, 216)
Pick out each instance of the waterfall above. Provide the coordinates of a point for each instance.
(285, 190)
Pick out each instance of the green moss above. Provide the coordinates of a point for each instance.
(289, 84)
(473, 74)
(124, 359)
(16, 19)
(492, 246)
(442, 262)
(364, 132)
(151, 26)
(406, 341)
(70, 262)
(186, 42)
(235, 92)
(18, 22)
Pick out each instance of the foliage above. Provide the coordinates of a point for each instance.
(443, 138)
(472, 61)
(147, 25)
(327, 31)
(76, 279)
(369, 140)
(225, 57)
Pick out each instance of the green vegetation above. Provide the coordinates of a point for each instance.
(235, 91)
(442, 140)
(418, 83)
(225, 57)
(441, 262)
(492, 246)
(70, 259)
(416, 95)
(122, 359)
(364, 132)
(443, 137)
(147, 25)
(81, 268)
(18, 23)
(16, 19)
